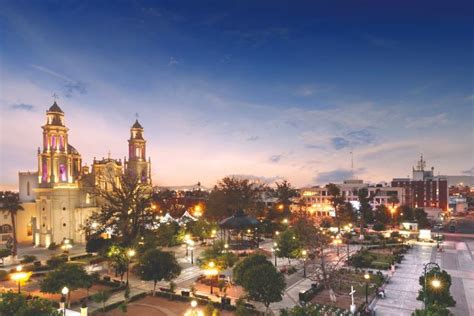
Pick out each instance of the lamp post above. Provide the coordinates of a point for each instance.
(435, 283)
(304, 253)
(130, 254)
(191, 248)
(65, 247)
(18, 276)
(275, 249)
(65, 292)
(187, 237)
(367, 278)
(212, 271)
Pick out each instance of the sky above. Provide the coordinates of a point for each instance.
(268, 90)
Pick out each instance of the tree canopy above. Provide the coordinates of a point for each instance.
(14, 304)
(441, 295)
(10, 204)
(156, 265)
(244, 265)
(126, 210)
(232, 194)
(288, 244)
(263, 283)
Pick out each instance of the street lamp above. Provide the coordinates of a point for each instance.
(187, 237)
(130, 254)
(212, 271)
(19, 276)
(65, 292)
(367, 278)
(275, 249)
(190, 244)
(337, 241)
(304, 254)
(435, 283)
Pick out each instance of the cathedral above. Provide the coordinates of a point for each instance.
(58, 198)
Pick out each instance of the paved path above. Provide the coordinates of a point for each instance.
(456, 259)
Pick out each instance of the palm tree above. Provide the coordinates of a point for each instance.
(10, 203)
(284, 192)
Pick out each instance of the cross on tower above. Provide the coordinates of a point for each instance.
(55, 97)
(136, 115)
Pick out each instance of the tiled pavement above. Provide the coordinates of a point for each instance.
(456, 259)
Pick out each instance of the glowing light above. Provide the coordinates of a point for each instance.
(65, 290)
(19, 268)
(280, 207)
(131, 253)
(366, 276)
(194, 303)
(226, 246)
(285, 221)
(304, 253)
(436, 283)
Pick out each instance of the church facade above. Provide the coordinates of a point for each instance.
(58, 198)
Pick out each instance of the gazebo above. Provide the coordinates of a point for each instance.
(238, 224)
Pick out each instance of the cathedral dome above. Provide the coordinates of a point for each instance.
(72, 150)
(55, 108)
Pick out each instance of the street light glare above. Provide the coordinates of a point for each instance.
(65, 290)
(366, 276)
(436, 283)
(194, 303)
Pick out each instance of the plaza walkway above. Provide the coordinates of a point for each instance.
(456, 259)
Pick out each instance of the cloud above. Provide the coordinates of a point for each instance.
(69, 86)
(275, 158)
(23, 107)
(260, 179)
(339, 142)
(379, 41)
(427, 121)
(173, 61)
(469, 172)
(309, 90)
(252, 138)
(337, 175)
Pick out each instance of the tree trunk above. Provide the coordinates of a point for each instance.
(14, 246)
(154, 287)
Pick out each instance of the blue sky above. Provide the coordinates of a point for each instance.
(267, 89)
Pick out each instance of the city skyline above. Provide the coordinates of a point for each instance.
(262, 95)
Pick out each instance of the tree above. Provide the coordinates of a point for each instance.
(365, 210)
(10, 204)
(15, 304)
(304, 227)
(421, 217)
(346, 213)
(288, 245)
(119, 259)
(101, 297)
(126, 209)
(232, 194)
(156, 265)
(284, 192)
(5, 253)
(201, 228)
(336, 200)
(381, 214)
(433, 310)
(73, 276)
(244, 265)
(406, 213)
(263, 283)
(441, 295)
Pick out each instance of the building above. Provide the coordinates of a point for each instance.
(316, 200)
(424, 189)
(58, 199)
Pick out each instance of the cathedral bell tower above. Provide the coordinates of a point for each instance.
(137, 165)
(58, 161)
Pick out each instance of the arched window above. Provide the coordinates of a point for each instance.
(28, 188)
(137, 152)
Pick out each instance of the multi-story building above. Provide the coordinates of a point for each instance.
(424, 189)
(316, 200)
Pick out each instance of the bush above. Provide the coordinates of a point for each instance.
(378, 227)
(56, 261)
(379, 265)
(291, 270)
(3, 275)
(28, 259)
(98, 245)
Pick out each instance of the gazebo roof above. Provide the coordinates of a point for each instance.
(238, 221)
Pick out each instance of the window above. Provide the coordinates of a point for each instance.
(62, 172)
(29, 230)
(28, 188)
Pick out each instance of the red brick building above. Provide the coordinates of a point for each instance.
(424, 190)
